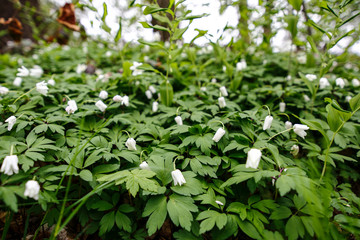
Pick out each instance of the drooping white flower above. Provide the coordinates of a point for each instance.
(11, 120)
(241, 65)
(32, 189)
(348, 98)
(103, 94)
(253, 158)
(117, 98)
(155, 106)
(10, 165)
(323, 83)
(282, 107)
(340, 82)
(80, 68)
(288, 77)
(42, 88)
(299, 129)
(135, 70)
(108, 53)
(17, 81)
(222, 102)
(355, 82)
(178, 177)
(71, 107)
(152, 89)
(267, 122)
(51, 82)
(23, 72)
(3, 90)
(288, 125)
(223, 91)
(213, 80)
(294, 150)
(131, 144)
(311, 77)
(144, 166)
(148, 94)
(125, 101)
(220, 203)
(101, 105)
(178, 120)
(36, 71)
(306, 98)
(203, 89)
(219, 134)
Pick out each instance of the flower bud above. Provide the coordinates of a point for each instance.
(219, 134)
(222, 102)
(340, 82)
(178, 120)
(117, 98)
(144, 166)
(218, 202)
(51, 82)
(282, 107)
(348, 98)
(17, 81)
(253, 158)
(306, 98)
(11, 120)
(103, 95)
(267, 122)
(294, 150)
(178, 177)
(148, 94)
(155, 106)
(101, 105)
(288, 125)
(311, 77)
(72, 107)
(3, 90)
(32, 189)
(355, 82)
(131, 144)
(42, 88)
(223, 91)
(323, 83)
(36, 71)
(10, 165)
(125, 101)
(152, 89)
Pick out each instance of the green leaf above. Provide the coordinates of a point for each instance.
(210, 218)
(248, 228)
(8, 196)
(166, 93)
(153, 9)
(280, 213)
(156, 209)
(123, 221)
(157, 27)
(118, 33)
(347, 20)
(86, 175)
(238, 178)
(285, 183)
(294, 228)
(308, 83)
(140, 178)
(105, 12)
(107, 223)
(179, 209)
(292, 22)
(192, 187)
(296, 4)
(355, 103)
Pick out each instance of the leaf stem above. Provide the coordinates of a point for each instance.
(23, 95)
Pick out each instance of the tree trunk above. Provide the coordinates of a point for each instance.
(163, 34)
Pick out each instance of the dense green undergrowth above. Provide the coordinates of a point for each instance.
(91, 182)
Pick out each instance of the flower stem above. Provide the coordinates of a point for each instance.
(126, 133)
(11, 149)
(287, 130)
(23, 95)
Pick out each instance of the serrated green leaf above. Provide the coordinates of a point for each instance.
(179, 209)
(210, 218)
(156, 209)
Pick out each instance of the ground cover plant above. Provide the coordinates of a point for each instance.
(176, 141)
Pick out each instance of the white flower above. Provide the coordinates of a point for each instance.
(36, 71)
(117, 98)
(11, 120)
(155, 106)
(103, 94)
(51, 82)
(282, 107)
(355, 82)
(152, 89)
(311, 77)
(253, 158)
(323, 82)
(222, 102)
(213, 80)
(131, 144)
(42, 88)
(3, 90)
(295, 150)
(23, 72)
(80, 68)
(72, 107)
(125, 101)
(32, 189)
(178, 120)
(220, 203)
(340, 82)
(144, 166)
(178, 177)
(348, 98)
(288, 77)
(135, 70)
(108, 54)
(101, 105)
(241, 65)
(148, 94)
(219, 134)
(306, 98)
(17, 81)
(288, 125)
(267, 122)
(203, 89)
(299, 129)
(10, 165)
(223, 91)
